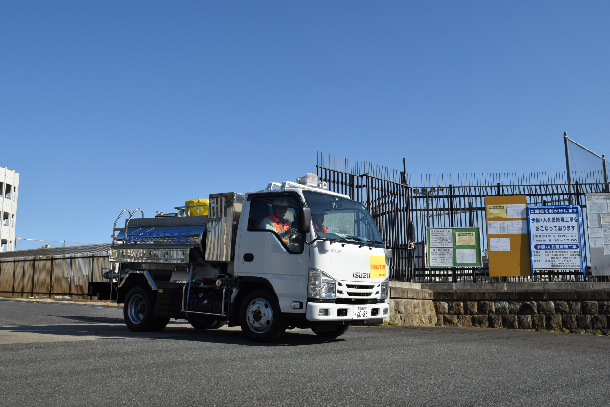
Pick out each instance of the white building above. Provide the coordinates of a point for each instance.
(9, 183)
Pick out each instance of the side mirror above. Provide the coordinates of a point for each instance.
(323, 246)
(388, 254)
(304, 220)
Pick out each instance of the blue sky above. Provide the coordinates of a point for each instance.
(124, 104)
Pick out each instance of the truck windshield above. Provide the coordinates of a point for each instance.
(337, 218)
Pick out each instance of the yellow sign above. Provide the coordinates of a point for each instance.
(496, 211)
(508, 245)
(377, 266)
(465, 239)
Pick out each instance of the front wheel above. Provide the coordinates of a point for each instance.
(260, 316)
(138, 311)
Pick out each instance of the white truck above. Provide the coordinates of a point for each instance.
(265, 260)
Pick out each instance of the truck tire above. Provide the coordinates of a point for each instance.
(199, 321)
(138, 311)
(160, 323)
(334, 334)
(218, 324)
(260, 316)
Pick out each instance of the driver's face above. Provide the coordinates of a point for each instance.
(318, 219)
(280, 211)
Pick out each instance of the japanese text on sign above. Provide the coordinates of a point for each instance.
(441, 238)
(453, 247)
(465, 239)
(499, 244)
(441, 256)
(496, 211)
(555, 237)
(465, 256)
(516, 211)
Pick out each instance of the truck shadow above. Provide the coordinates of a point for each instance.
(90, 320)
(92, 328)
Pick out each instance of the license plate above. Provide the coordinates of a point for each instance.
(361, 312)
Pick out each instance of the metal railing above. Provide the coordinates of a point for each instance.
(403, 212)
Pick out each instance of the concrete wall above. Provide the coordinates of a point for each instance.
(569, 307)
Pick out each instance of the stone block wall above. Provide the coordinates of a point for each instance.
(583, 311)
(412, 307)
(570, 315)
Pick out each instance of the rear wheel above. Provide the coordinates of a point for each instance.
(260, 316)
(199, 321)
(138, 311)
(339, 330)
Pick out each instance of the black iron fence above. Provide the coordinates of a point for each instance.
(403, 212)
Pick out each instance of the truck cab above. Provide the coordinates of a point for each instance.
(293, 255)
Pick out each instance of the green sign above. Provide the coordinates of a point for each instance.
(453, 247)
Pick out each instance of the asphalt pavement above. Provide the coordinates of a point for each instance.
(65, 354)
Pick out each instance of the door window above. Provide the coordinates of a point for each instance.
(277, 214)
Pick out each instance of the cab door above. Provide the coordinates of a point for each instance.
(265, 252)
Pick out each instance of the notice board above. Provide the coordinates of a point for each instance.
(556, 239)
(598, 228)
(507, 239)
(453, 247)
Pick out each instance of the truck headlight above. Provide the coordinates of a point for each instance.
(385, 289)
(321, 285)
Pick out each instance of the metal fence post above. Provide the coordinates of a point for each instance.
(451, 222)
(565, 140)
(605, 173)
(427, 209)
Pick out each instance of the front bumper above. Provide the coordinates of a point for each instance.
(328, 311)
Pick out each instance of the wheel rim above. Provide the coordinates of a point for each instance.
(259, 315)
(137, 308)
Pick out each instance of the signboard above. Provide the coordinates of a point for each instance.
(377, 267)
(453, 247)
(507, 240)
(556, 238)
(598, 228)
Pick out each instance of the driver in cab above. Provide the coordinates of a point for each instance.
(318, 220)
(276, 221)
